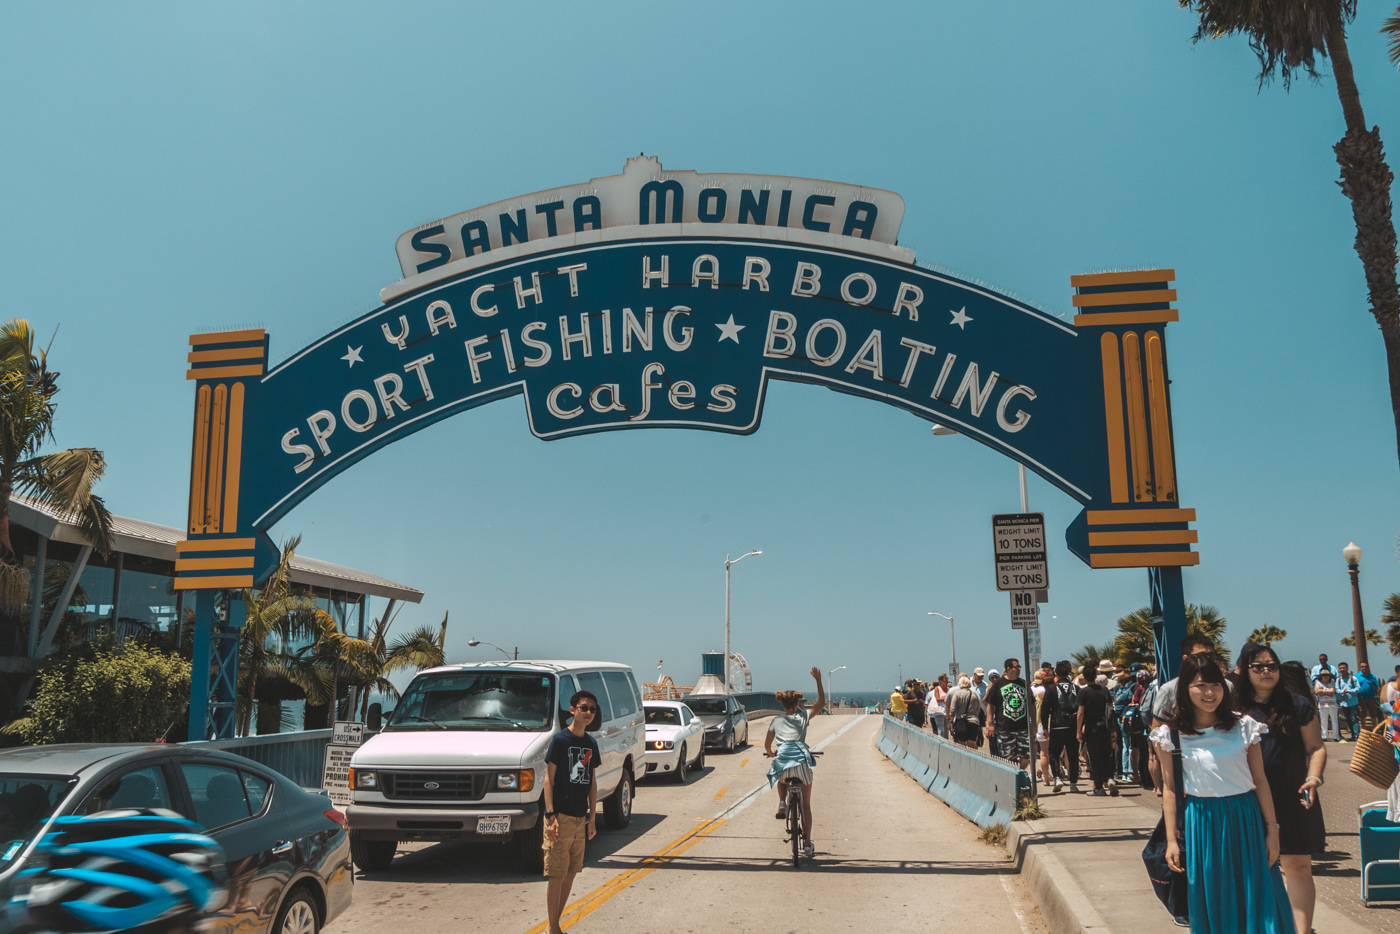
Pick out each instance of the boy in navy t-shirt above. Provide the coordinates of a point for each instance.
(570, 798)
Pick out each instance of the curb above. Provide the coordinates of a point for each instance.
(1065, 906)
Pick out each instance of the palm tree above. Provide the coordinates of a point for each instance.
(1089, 652)
(277, 619)
(63, 481)
(1135, 640)
(321, 667)
(419, 649)
(1289, 35)
(1268, 635)
(1391, 617)
(1373, 637)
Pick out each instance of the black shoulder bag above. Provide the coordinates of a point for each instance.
(1169, 886)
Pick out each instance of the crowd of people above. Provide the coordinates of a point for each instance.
(1252, 757)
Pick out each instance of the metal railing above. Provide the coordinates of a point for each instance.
(299, 756)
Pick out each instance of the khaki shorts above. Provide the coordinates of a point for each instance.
(565, 855)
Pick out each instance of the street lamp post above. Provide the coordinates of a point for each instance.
(831, 682)
(515, 657)
(727, 565)
(1352, 554)
(952, 636)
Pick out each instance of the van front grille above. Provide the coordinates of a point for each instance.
(434, 786)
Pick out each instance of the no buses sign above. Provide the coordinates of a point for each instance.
(1019, 540)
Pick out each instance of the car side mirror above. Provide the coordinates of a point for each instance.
(375, 719)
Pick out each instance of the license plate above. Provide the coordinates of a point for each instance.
(493, 825)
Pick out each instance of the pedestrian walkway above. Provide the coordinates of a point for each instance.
(1083, 864)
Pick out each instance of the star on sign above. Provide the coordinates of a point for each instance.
(960, 317)
(729, 330)
(352, 355)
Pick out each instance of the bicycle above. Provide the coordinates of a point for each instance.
(793, 804)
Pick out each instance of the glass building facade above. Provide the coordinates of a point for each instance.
(131, 591)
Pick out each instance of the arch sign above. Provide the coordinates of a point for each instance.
(657, 299)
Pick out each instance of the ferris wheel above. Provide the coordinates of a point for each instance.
(740, 678)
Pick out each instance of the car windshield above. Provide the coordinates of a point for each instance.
(496, 699)
(663, 715)
(707, 706)
(26, 802)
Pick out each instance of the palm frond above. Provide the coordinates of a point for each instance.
(1390, 618)
(1391, 30)
(1286, 37)
(64, 481)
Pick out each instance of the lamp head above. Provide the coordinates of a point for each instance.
(1352, 554)
(473, 642)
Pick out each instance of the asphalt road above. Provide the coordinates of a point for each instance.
(709, 855)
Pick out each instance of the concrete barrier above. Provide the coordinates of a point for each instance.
(981, 788)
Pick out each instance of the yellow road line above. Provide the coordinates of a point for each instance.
(593, 900)
(721, 792)
(744, 763)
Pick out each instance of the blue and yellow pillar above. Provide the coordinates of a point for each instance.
(218, 554)
(1143, 523)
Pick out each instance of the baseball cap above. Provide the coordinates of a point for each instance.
(979, 671)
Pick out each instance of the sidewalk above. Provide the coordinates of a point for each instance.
(1083, 864)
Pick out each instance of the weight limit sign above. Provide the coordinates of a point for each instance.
(1019, 542)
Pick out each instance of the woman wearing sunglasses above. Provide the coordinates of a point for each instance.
(1294, 759)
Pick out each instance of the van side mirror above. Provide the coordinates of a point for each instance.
(375, 720)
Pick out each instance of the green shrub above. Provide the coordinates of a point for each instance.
(106, 693)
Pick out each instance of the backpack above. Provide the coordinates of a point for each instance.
(1066, 707)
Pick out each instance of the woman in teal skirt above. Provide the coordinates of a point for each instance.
(1231, 832)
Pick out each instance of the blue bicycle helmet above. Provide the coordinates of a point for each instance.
(149, 871)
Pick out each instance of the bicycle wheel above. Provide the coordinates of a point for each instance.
(795, 821)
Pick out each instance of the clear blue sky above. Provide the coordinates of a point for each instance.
(170, 168)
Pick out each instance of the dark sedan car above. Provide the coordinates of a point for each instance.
(287, 849)
(726, 723)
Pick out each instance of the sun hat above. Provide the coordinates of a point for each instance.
(1105, 665)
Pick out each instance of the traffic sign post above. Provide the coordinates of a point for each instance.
(1018, 539)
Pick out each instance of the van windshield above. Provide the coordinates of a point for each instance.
(476, 700)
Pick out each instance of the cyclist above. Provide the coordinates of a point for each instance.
(793, 757)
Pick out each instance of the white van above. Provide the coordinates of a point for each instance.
(462, 756)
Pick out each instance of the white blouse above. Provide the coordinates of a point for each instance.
(1215, 764)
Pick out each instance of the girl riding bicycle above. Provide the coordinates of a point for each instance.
(793, 759)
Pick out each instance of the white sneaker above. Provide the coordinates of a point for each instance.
(1058, 784)
(809, 849)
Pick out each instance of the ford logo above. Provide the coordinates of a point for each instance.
(431, 786)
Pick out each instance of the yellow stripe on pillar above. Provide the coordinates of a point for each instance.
(1137, 418)
(1163, 462)
(235, 459)
(1113, 418)
(199, 468)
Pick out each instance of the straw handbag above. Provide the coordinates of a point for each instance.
(1373, 758)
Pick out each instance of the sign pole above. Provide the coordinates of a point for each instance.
(1030, 715)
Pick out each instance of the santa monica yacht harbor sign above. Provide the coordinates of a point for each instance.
(656, 299)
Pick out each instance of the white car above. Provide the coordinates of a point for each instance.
(675, 739)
